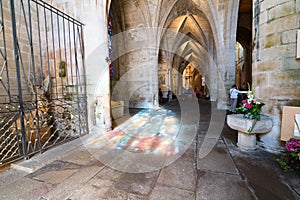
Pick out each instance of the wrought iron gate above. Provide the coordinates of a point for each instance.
(42, 78)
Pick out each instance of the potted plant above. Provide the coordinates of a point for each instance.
(248, 121)
(290, 160)
(250, 108)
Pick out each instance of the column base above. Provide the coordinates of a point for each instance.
(246, 142)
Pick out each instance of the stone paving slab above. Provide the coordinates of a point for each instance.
(67, 187)
(259, 176)
(140, 184)
(218, 160)
(95, 189)
(214, 185)
(80, 157)
(55, 153)
(25, 189)
(10, 175)
(180, 174)
(55, 172)
(170, 193)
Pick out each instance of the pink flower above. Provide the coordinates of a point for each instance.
(292, 146)
(248, 106)
(245, 101)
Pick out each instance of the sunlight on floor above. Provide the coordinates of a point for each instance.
(148, 131)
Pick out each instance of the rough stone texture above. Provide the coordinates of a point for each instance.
(165, 192)
(273, 31)
(237, 189)
(227, 173)
(180, 174)
(219, 156)
(25, 188)
(284, 9)
(282, 85)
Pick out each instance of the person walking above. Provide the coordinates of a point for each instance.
(160, 94)
(197, 92)
(165, 96)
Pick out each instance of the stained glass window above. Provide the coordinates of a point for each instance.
(110, 50)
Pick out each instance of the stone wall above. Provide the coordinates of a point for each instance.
(24, 46)
(276, 70)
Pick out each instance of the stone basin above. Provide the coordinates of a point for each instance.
(247, 141)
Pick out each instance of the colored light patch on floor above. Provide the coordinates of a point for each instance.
(148, 131)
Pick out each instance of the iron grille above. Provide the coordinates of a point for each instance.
(42, 78)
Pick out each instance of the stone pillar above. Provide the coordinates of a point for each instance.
(138, 86)
(92, 14)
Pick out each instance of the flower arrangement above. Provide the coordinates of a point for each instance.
(251, 108)
(291, 159)
(293, 148)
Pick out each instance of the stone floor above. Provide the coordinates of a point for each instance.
(201, 162)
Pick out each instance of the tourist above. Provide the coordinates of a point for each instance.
(165, 96)
(160, 95)
(233, 92)
(197, 92)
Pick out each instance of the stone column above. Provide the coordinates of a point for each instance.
(92, 14)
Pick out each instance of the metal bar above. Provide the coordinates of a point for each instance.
(60, 13)
(41, 72)
(16, 52)
(33, 71)
(27, 31)
(77, 76)
(84, 77)
(59, 49)
(54, 54)
(23, 69)
(47, 50)
(76, 56)
(5, 55)
(65, 50)
(40, 42)
(70, 46)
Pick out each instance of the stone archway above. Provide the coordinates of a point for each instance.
(188, 40)
(203, 34)
(244, 37)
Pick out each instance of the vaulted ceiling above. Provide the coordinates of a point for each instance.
(199, 33)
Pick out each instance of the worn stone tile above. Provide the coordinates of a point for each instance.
(40, 160)
(259, 177)
(109, 174)
(54, 177)
(114, 194)
(137, 183)
(8, 176)
(211, 186)
(180, 174)
(171, 193)
(132, 162)
(218, 159)
(24, 189)
(94, 189)
(74, 182)
(56, 165)
(81, 157)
